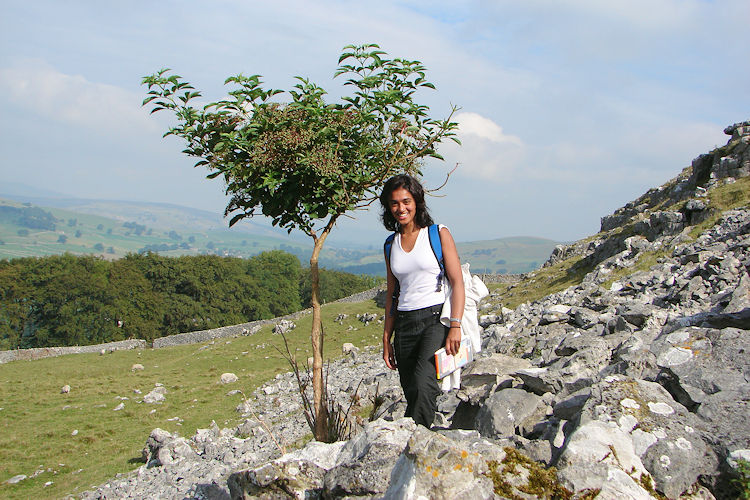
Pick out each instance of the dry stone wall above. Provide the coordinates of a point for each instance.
(48, 352)
(226, 331)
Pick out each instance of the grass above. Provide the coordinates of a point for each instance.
(541, 482)
(37, 421)
(721, 198)
(540, 283)
(742, 482)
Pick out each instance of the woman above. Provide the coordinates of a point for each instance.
(413, 269)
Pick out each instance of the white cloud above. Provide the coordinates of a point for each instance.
(477, 125)
(486, 152)
(35, 85)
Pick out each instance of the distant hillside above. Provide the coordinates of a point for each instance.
(28, 230)
(514, 255)
(49, 226)
(518, 254)
(156, 215)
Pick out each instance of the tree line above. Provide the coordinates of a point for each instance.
(79, 300)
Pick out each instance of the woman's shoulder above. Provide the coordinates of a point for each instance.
(444, 233)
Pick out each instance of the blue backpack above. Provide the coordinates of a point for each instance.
(433, 232)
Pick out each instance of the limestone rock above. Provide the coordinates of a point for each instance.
(488, 374)
(283, 327)
(365, 463)
(156, 395)
(367, 318)
(349, 348)
(486, 320)
(612, 482)
(433, 466)
(570, 407)
(228, 378)
(664, 435)
(597, 453)
(539, 380)
(508, 412)
(164, 448)
(298, 474)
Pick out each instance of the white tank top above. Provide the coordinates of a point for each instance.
(417, 273)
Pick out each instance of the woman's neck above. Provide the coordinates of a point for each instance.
(409, 228)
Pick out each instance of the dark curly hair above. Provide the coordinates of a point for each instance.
(421, 216)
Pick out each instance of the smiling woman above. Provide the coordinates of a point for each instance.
(412, 331)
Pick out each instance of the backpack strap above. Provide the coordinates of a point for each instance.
(387, 246)
(437, 248)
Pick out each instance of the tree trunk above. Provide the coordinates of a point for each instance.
(316, 336)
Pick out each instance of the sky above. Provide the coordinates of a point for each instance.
(569, 108)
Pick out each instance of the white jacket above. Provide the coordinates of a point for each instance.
(475, 290)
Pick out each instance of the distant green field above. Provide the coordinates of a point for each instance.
(114, 229)
(520, 254)
(81, 233)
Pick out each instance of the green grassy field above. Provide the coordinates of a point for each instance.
(38, 421)
(92, 234)
(191, 232)
(514, 255)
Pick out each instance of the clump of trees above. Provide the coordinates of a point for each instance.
(30, 217)
(79, 300)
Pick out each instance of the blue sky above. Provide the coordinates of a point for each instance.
(569, 109)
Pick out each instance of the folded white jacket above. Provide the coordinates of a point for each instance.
(475, 290)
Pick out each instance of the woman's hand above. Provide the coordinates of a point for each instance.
(389, 356)
(453, 341)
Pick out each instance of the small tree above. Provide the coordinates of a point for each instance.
(305, 163)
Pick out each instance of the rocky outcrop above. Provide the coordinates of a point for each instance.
(666, 210)
(632, 384)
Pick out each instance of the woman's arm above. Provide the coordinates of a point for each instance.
(388, 354)
(458, 294)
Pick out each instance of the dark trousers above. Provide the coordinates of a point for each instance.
(418, 334)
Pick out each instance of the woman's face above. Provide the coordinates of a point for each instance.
(402, 206)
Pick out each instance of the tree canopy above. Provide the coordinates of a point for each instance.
(79, 300)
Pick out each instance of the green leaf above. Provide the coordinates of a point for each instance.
(236, 219)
